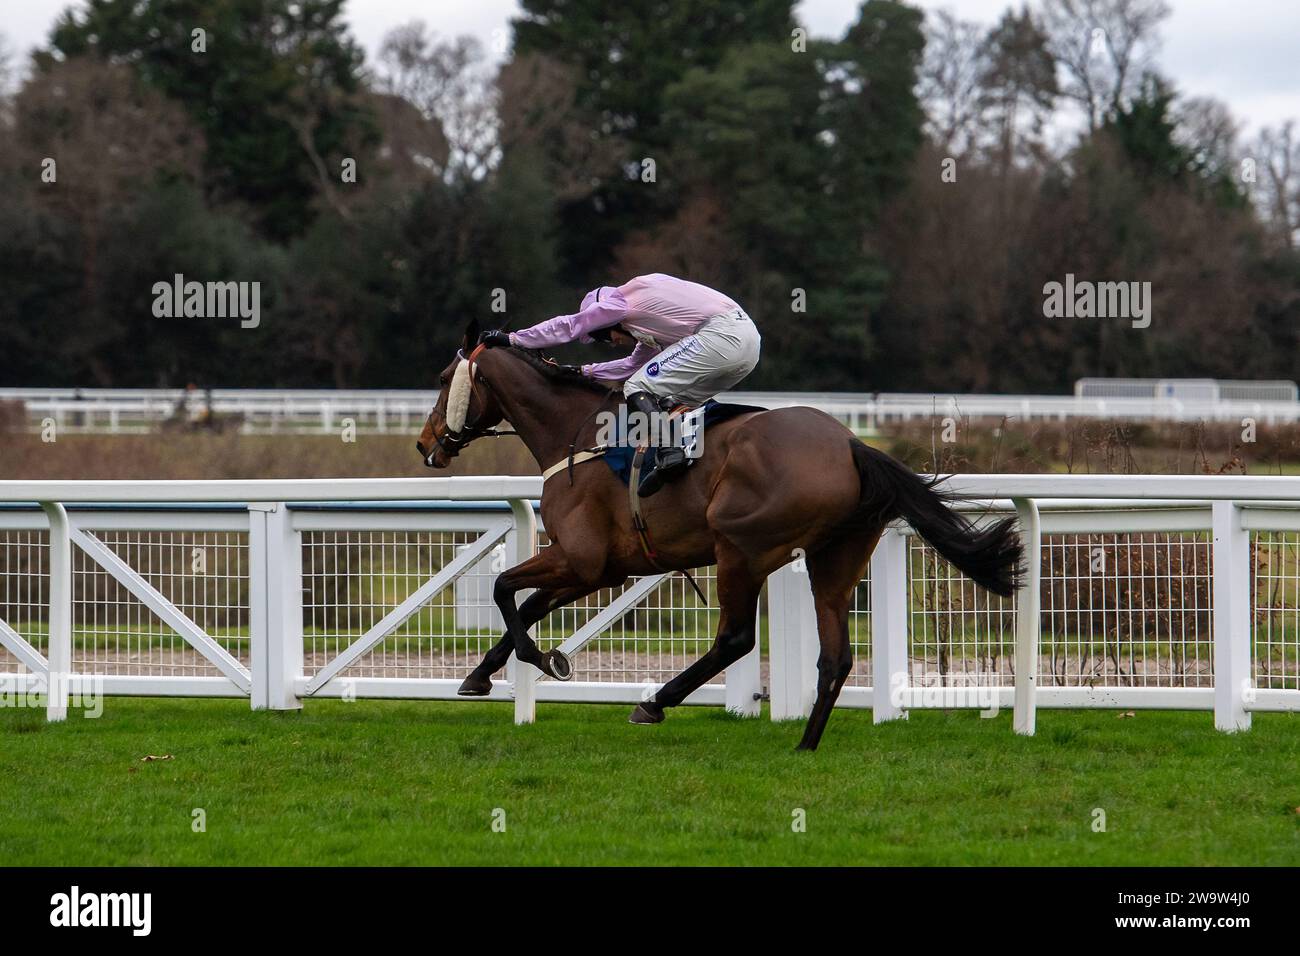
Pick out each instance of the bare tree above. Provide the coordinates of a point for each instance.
(7, 77)
(950, 76)
(1018, 85)
(90, 133)
(539, 113)
(413, 147)
(450, 82)
(1277, 180)
(1207, 127)
(1104, 47)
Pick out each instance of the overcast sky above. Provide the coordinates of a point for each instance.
(1244, 52)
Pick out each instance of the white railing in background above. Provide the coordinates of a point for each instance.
(1195, 389)
(325, 411)
(1148, 592)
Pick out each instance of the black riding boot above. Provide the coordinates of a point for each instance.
(670, 463)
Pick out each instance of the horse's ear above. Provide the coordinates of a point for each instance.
(471, 335)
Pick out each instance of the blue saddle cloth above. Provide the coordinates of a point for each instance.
(619, 458)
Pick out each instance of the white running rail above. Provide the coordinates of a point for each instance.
(1147, 592)
(325, 411)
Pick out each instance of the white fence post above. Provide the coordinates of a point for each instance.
(523, 677)
(889, 661)
(745, 683)
(1027, 619)
(59, 651)
(791, 642)
(259, 610)
(1231, 617)
(274, 607)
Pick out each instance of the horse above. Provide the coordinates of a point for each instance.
(772, 487)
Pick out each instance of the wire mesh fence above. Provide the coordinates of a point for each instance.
(203, 574)
(1128, 609)
(1275, 645)
(860, 634)
(1117, 610)
(24, 591)
(352, 579)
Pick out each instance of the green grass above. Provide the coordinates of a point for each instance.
(378, 782)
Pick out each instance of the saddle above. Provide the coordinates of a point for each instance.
(619, 457)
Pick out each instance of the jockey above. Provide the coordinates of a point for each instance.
(691, 343)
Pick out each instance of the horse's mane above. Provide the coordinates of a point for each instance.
(558, 374)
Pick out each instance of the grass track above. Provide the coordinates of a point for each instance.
(379, 782)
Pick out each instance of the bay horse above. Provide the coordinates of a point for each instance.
(772, 486)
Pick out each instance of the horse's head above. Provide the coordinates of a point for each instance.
(466, 408)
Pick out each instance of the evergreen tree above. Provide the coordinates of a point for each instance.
(626, 57)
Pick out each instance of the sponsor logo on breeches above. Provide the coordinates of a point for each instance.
(686, 347)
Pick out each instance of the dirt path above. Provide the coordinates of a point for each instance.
(604, 664)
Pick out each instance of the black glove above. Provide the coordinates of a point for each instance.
(495, 339)
(564, 369)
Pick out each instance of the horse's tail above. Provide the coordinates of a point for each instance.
(989, 556)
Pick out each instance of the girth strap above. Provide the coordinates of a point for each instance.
(571, 460)
(643, 530)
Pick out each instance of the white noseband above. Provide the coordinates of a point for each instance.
(458, 397)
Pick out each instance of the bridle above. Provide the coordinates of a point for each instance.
(450, 442)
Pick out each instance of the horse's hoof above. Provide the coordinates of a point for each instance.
(474, 686)
(558, 665)
(647, 714)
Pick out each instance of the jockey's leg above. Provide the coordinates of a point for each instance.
(670, 460)
(690, 372)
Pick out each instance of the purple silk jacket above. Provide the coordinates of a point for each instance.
(656, 309)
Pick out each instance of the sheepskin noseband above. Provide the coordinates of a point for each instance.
(458, 397)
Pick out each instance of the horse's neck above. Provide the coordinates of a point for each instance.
(547, 417)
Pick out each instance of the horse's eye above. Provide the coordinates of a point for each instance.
(443, 379)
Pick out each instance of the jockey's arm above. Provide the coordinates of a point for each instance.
(609, 310)
(620, 370)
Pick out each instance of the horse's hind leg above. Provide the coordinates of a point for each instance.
(539, 604)
(835, 571)
(738, 591)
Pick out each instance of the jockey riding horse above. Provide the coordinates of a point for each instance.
(691, 342)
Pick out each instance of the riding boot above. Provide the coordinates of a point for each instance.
(670, 462)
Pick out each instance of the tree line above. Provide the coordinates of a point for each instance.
(888, 204)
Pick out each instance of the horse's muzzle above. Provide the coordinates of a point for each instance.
(450, 446)
(427, 454)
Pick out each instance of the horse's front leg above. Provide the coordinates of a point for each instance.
(548, 570)
(534, 609)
